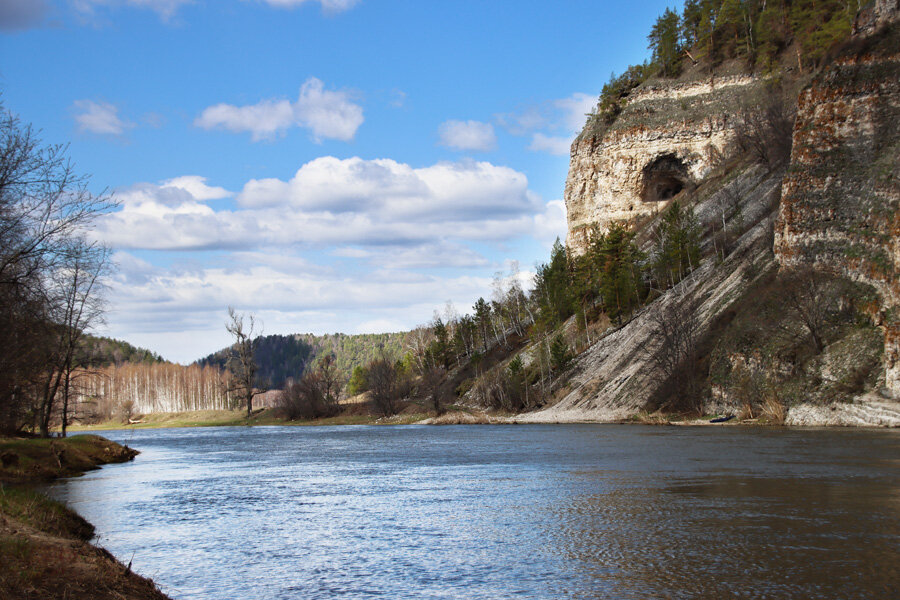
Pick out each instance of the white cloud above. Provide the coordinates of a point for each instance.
(330, 201)
(525, 121)
(327, 115)
(552, 125)
(468, 135)
(21, 14)
(351, 253)
(196, 186)
(165, 8)
(189, 303)
(100, 117)
(393, 191)
(329, 6)
(550, 144)
(575, 109)
(551, 224)
(398, 98)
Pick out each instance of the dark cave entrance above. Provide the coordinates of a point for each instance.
(664, 178)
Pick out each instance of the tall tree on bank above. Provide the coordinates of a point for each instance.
(242, 363)
(46, 212)
(79, 306)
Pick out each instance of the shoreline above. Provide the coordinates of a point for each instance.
(874, 415)
(45, 549)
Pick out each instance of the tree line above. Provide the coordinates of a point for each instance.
(760, 33)
(129, 389)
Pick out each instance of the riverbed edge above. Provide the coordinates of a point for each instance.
(45, 549)
(867, 413)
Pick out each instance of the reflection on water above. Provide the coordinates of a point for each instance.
(502, 512)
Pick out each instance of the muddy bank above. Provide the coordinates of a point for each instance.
(44, 546)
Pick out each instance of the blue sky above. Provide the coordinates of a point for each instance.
(331, 165)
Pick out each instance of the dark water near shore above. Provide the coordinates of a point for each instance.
(564, 511)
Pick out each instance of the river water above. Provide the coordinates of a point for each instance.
(543, 511)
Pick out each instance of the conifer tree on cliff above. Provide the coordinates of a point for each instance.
(664, 41)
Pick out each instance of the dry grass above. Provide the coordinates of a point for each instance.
(655, 418)
(460, 418)
(29, 460)
(773, 411)
(43, 545)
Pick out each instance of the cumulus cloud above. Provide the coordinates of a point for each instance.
(326, 114)
(101, 118)
(467, 135)
(392, 191)
(21, 14)
(195, 185)
(551, 223)
(550, 144)
(330, 201)
(525, 121)
(329, 6)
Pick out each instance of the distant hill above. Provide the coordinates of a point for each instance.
(284, 356)
(99, 351)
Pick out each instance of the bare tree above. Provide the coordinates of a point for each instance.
(78, 306)
(45, 213)
(765, 130)
(44, 205)
(811, 296)
(315, 395)
(675, 355)
(329, 379)
(382, 380)
(432, 378)
(242, 363)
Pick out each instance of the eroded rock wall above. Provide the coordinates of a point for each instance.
(840, 206)
(618, 376)
(667, 139)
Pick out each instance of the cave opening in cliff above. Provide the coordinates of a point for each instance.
(664, 178)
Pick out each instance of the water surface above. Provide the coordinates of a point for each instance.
(543, 511)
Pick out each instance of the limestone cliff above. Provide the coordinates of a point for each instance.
(666, 140)
(617, 376)
(840, 207)
(839, 210)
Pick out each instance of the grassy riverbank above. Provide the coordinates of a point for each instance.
(44, 549)
(235, 418)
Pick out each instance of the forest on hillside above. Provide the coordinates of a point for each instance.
(283, 357)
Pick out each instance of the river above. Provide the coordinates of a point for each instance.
(542, 511)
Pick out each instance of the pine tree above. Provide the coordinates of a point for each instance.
(677, 251)
(665, 38)
(552, 287)
(621, 271)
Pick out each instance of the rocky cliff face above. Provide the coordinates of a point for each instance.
(666, 140)
(840, 206)
(839, 210)
(617, 376)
